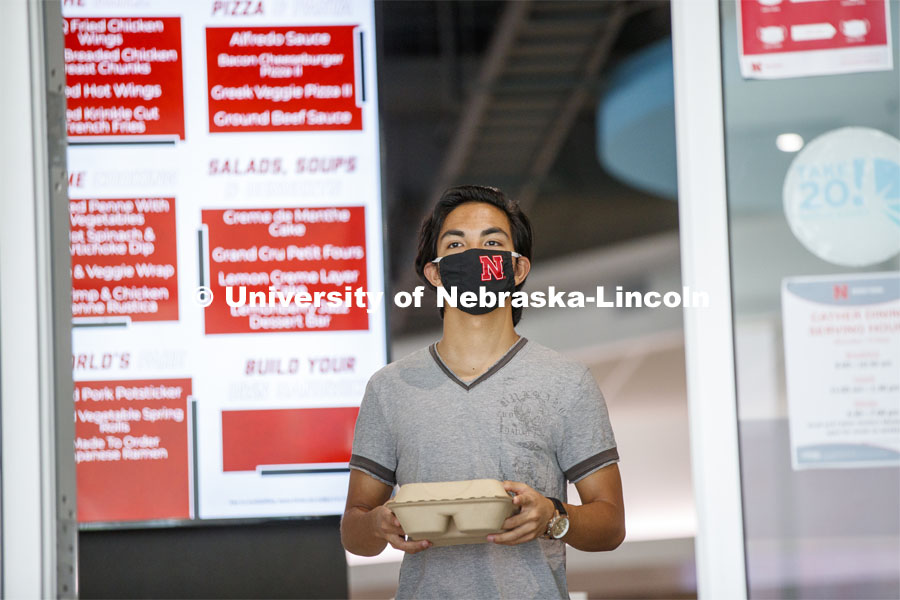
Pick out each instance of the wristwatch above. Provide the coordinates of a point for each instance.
(559, 522)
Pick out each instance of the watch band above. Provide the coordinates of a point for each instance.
(559, 505)
(560, 513)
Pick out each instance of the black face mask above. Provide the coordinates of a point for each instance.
(471, 269)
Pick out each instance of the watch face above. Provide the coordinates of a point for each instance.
(560, 527)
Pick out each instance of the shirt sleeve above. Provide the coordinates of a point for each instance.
(588, 442)
(374, 449)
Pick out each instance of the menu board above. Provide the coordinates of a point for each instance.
(123, 77)
(282, 79)
(262, 248)
(123, 259)
(223, 164)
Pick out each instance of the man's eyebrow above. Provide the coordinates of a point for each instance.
(452, 232)
(491, 230)
(486, 232)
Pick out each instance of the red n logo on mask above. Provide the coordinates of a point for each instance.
(491, 267)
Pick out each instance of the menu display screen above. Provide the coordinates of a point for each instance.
(223, 163)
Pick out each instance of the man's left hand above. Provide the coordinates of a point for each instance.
(532, 520)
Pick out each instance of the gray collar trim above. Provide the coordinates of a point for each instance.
(514, 349)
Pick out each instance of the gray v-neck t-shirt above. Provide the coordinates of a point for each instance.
(535, 416)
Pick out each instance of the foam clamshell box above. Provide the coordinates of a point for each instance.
(448, 513)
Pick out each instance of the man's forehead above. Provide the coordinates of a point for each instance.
(475, 217)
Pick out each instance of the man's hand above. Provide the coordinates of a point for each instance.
(531, 522)
(387, 527)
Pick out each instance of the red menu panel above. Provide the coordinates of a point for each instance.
(124, 259)
(131, 449)
(123, 77)
(295, 251)
(282, 79)
(286, 436)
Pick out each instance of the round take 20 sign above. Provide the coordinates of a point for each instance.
(842, 196)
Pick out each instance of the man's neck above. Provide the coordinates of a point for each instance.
(472, 343)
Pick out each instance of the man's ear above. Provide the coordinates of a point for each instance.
(523, 267)
(433, 274)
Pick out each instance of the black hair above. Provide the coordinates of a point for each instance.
(520, 227)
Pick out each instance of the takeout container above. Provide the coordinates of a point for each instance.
(447, 513)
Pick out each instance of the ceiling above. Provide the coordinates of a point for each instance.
(505, 94)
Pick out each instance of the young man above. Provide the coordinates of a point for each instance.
(484, 402)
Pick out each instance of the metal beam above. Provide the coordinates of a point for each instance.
(514, 16)
(562, 125)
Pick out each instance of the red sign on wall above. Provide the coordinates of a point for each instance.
(787, 38)
(282, 79)
(295, 436)
(293, 251)
(131, 449)
(123, 77)
(124, 258)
